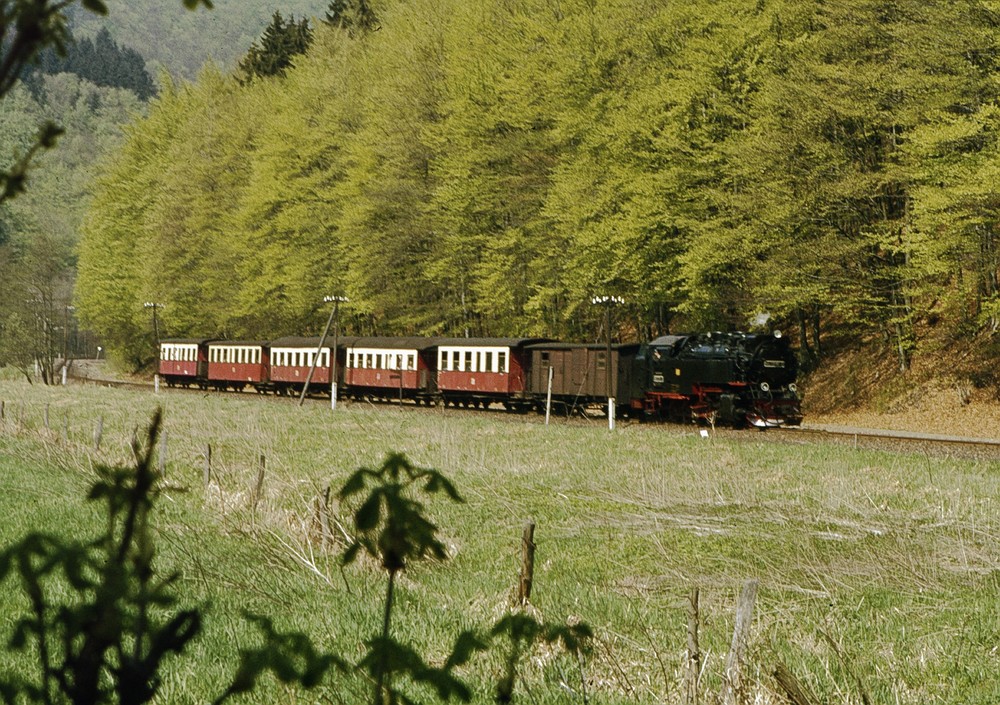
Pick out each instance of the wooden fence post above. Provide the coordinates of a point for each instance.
(65, 427)
(797, 693)
(733, 692)
(325, 518)
(692, 670)
(207, 474)
(2, 403)
(99, 432)
(527, 576)
(258, 489)
(47, 417)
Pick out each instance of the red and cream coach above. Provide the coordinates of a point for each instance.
(389, 368)
(234, 364)
(183, 361)
(480, 371)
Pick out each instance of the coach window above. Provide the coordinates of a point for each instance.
(502, 362)
(411, 361)
(468, 361)
(602, 360)
(489, 363)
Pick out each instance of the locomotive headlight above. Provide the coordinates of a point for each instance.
(777, 334)
(765, 387)
(792, 388)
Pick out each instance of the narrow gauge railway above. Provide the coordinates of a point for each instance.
(737, 379)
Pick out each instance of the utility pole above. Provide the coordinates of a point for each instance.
(66, 333)
(156, 323)
(608, 302)
(335, 320)
(156, 334)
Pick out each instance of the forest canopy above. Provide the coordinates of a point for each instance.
(487, 167)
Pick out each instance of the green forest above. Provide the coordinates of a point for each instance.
(486, 168)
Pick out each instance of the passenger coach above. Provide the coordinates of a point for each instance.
(480, 371)
(388, 368)
(234, 364)
(183, 362)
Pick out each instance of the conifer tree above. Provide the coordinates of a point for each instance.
(278, 45)
(355, 16)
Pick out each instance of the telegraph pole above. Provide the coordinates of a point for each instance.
(334, 320)
(608, 302)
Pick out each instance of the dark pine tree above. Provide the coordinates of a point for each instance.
(353, 15)
(274, 51)
(100, 61)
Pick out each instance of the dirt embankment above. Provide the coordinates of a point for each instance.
(950, 391)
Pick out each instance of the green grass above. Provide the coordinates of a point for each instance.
(874, 568)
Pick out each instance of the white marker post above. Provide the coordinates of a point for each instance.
(548, 399)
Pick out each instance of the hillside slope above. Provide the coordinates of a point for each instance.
(950, 390)
(181, 41)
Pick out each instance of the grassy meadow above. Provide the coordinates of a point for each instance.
(879, 573)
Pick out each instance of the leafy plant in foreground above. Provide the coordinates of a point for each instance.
(393, 530)
(106, 638)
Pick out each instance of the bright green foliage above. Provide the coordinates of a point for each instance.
(486, 168)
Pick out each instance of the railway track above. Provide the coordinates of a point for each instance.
(936, 444)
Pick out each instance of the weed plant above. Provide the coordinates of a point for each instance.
(878, 571)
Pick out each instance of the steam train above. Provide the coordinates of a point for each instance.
(739, 379)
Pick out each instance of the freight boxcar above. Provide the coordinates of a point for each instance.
(579, 374)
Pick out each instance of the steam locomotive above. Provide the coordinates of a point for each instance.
(738, 379)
